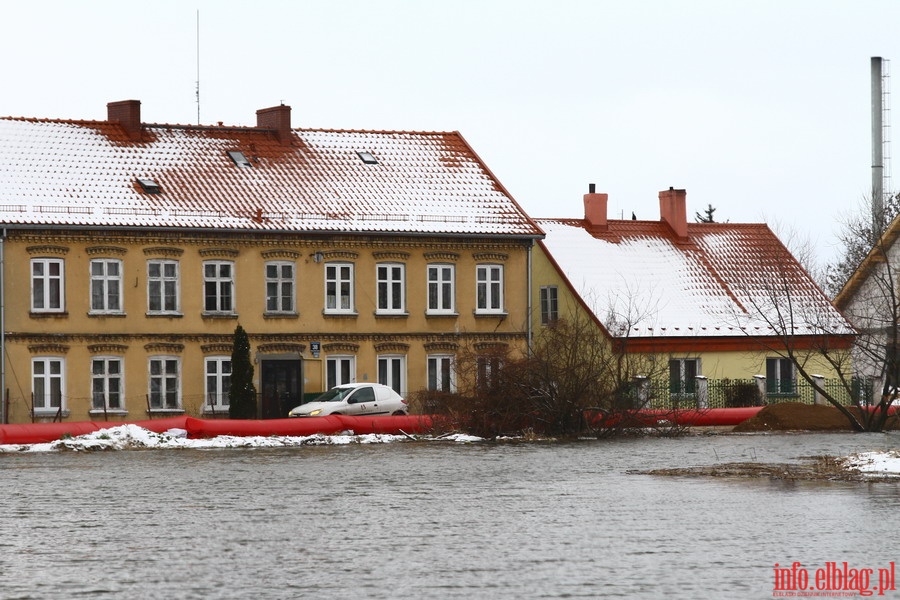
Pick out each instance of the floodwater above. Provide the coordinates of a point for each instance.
(434, 520)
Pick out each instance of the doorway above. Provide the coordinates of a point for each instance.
(281, 389)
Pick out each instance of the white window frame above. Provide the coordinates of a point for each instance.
(339, 288)
(278, 299)
(340, 369)
(110, 383)
(217, 384)
(169, 287)
(687, 386)
(392, 372)
(51, 297)
(436, 366)
(441, 289)
(549, 303)
(223, 285)
(171, 371)
(391, 288)
(487, 369)
(489, 289)
(48, 387)
(106, 286)
(780, 387)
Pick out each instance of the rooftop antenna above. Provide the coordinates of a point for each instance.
(881, 139)
(198, 67)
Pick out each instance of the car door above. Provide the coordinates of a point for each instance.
(362, 401)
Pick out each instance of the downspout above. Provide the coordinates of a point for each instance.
(529, 307)
(3, 407)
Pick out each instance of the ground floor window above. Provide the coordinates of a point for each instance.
(440, 373)
(48, 384)
(165, 384)
(781, 379)
(487, 372)
(106, 384)
(392, 371)
(340, 370)
(218, 383)
(683, 374)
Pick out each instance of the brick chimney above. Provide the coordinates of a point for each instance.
(595, 210)
(128, 114)
(278, 119)
(673, 210)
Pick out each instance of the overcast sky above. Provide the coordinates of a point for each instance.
(761, 108)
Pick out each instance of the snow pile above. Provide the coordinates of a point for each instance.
(875, 463)
(132, 437)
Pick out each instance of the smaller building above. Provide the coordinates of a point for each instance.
(702, 302)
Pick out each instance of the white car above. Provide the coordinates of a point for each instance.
(354, 399)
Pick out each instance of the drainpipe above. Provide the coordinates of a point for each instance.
(3, 407)
(530, 316)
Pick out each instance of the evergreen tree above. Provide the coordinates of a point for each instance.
(242, 404)
(707, 216)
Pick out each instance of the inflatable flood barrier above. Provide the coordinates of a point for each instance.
(36, 433)
(692, 417)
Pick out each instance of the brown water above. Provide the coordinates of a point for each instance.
(432, 520)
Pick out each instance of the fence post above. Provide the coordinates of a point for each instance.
(702, 391)
(761, 386)
(877, 391)
(819, 381)
(642, 383)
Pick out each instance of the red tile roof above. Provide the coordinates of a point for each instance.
(84, 173)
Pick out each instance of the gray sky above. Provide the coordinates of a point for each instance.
(760, 108)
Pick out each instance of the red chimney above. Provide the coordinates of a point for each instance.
(278, 119)
(673, 210)
(128, 114)
(595, 210)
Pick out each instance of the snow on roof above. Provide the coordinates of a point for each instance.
(641, 281)
(79, 173)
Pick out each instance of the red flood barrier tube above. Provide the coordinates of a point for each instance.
(37, 433)
(203, 428)
(692, 417)
(389, 425)
(155, 425)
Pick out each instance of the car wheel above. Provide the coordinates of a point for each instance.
(398, 413)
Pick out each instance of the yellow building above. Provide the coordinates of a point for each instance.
(132, 251)
(702, 302)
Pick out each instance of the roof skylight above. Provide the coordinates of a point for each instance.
(239, 159)
(149, 186)
(368, 158)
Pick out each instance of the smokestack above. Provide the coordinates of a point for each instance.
(278, 119)
(128, 114)
(595, 210)
(673, 210)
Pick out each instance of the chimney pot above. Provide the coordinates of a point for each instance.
(673, 210)
(278, 119)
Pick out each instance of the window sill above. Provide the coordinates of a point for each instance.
(501, 314)
(43, 413)
(170, 315)
(166, 411)
(219, 412)
(281, 315)
(49, 314)
(117, 412)
(340, 315)
(391, 315)
(445, 315)
(219, 315)
(115, 315)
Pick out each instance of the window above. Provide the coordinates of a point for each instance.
(780, 377)
(149, 186)
(106, 286)
(441, 289)
(368, 158)
(280, 287)
(487, 372)
(47, 279)
(106, 384)
(218, 383)
(440, 374)
(390, 288)
(549, 304)
(218, 286)
(239, 158)
(165, 384)
(48, 385)
(489, 288)
(340, 370)
(683, 376)
(391, 372)
(339, 288)
(162, 286)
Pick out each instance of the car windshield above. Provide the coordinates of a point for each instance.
(334, 395)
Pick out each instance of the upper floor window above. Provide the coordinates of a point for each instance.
(683, 374)
(162, 286)
(48, 384)
(218, 286)
(106, 286)
(47, 285)
(165, 383)
(781, 378)
(441, 292)
(489, 288)
(549, 304)
(391, 285)
(339, 288)
(106, 384)
(440, 373)
(218, 383)
(279, 287)
(340, 370)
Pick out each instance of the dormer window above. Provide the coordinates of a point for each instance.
(368, 158)
(239, 159)
(149, 186)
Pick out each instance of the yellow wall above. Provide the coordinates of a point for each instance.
(77, 336)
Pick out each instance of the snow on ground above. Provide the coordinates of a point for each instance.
(132, 437)
(875, 463)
